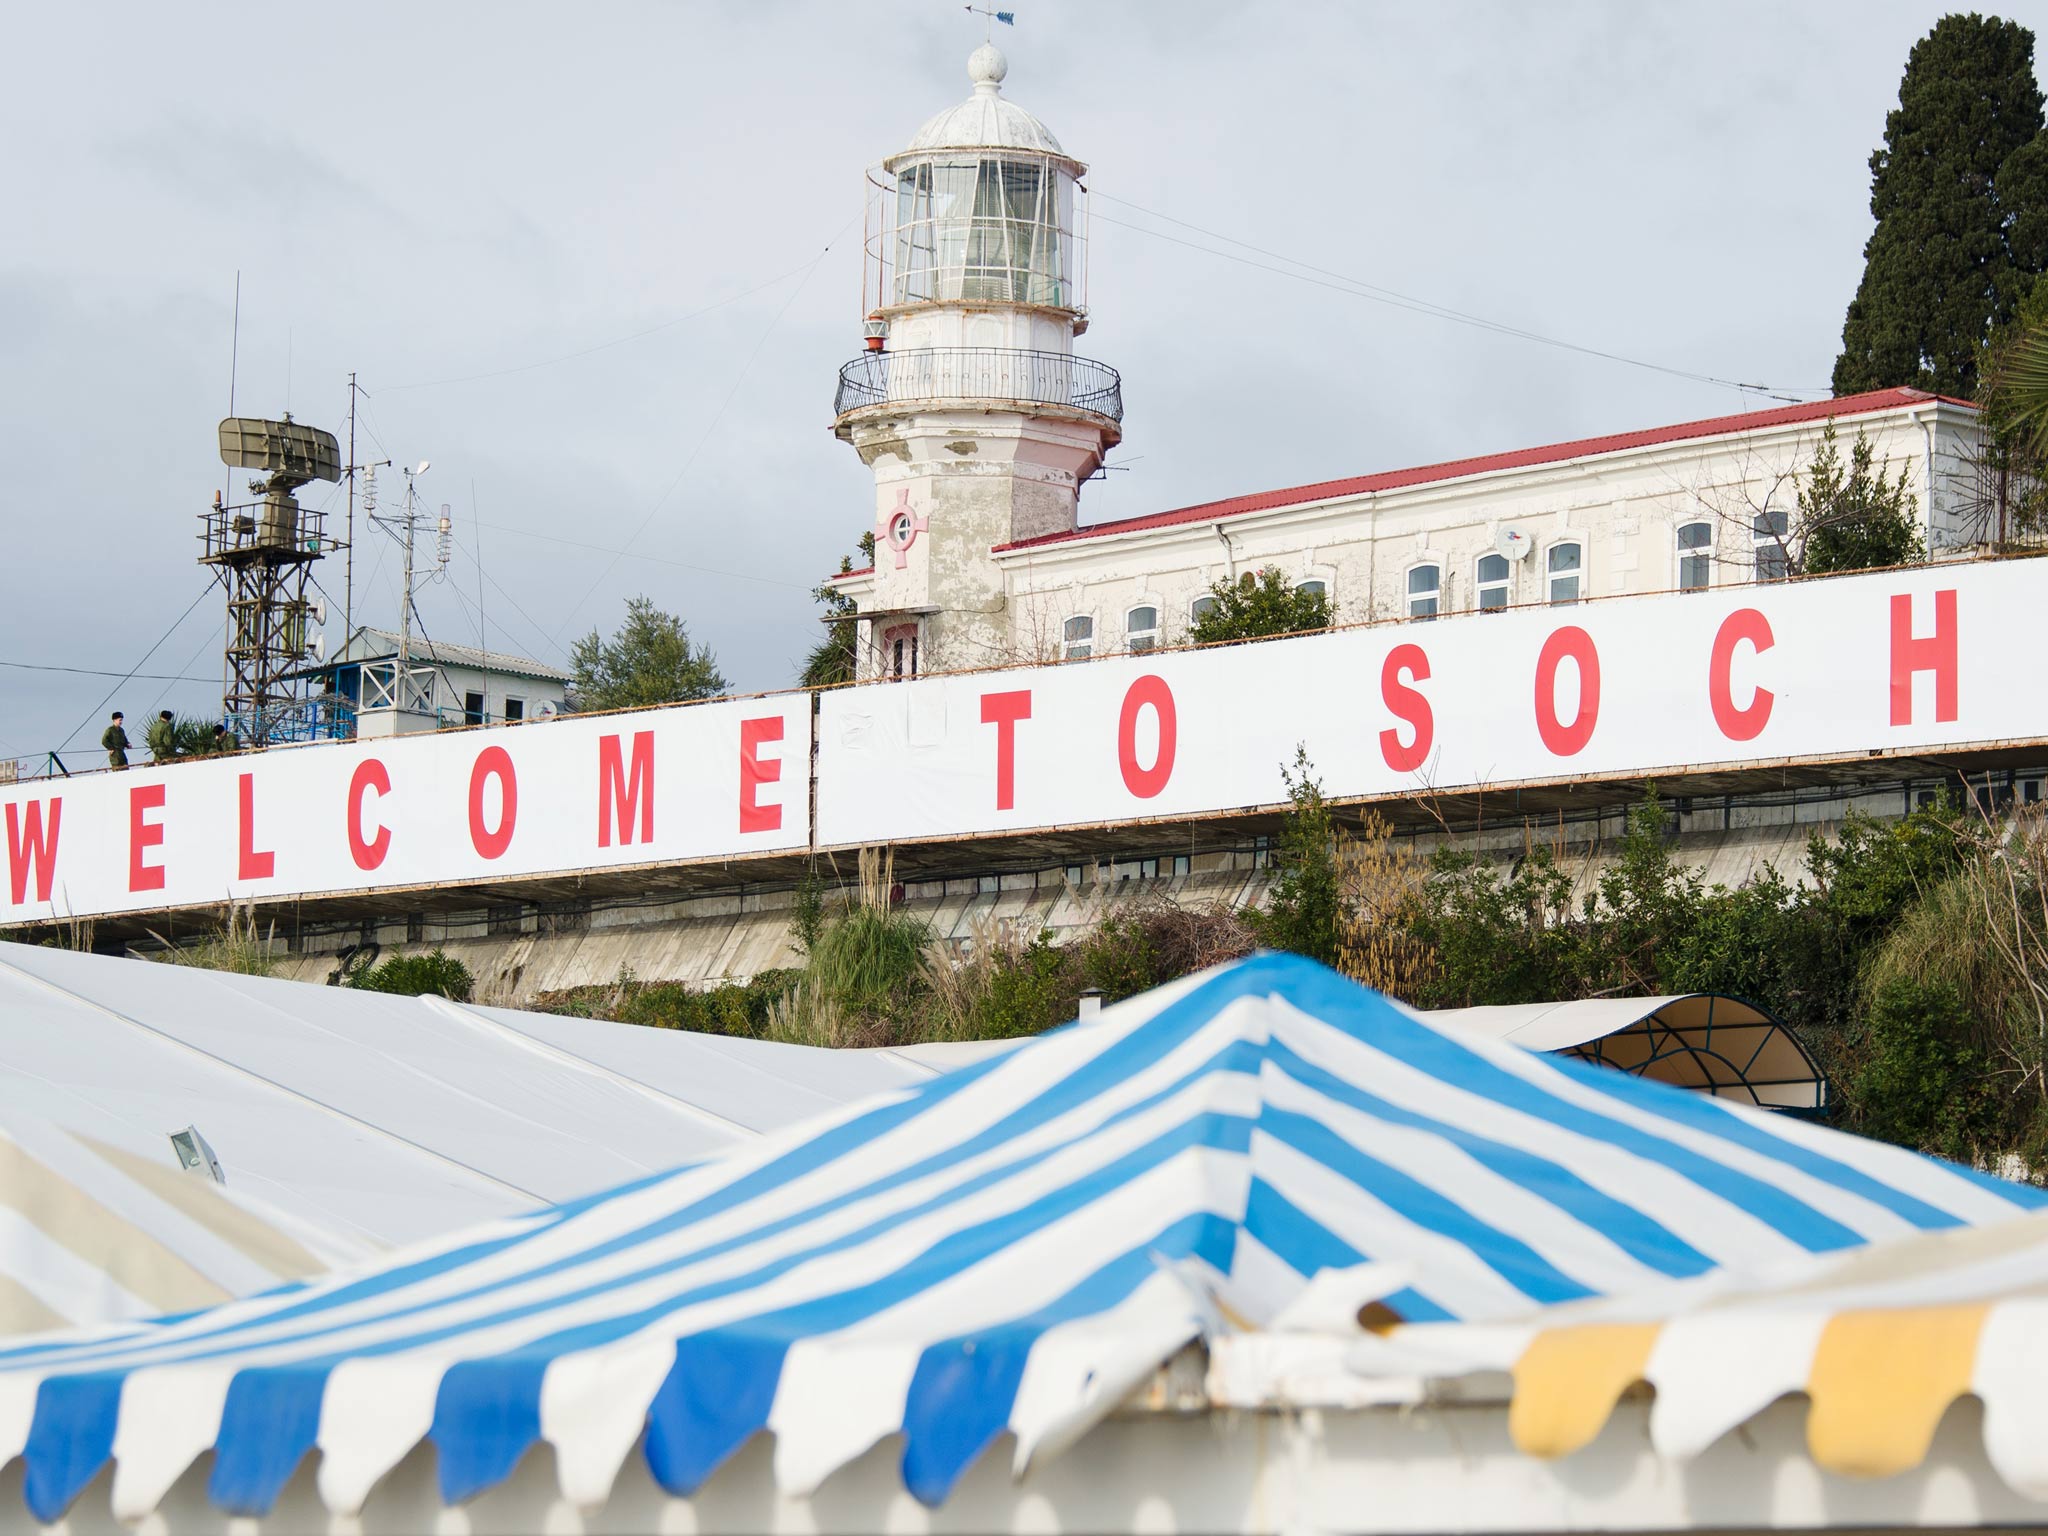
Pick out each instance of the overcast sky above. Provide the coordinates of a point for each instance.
(466, 205)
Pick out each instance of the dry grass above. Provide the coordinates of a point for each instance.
(235, 946)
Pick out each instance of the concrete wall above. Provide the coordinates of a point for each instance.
(517, 954)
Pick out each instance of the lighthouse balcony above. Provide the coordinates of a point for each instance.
(983, 378)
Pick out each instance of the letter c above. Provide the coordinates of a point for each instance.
(370, 775)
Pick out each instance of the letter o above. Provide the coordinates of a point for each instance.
(370, 775)
(493, 763)
(1146, 782)
(1746, 724)
(1563, 740)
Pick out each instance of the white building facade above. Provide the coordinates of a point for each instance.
(981, 425)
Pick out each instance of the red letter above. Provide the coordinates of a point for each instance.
(1146, 782)
(1563, 740)
(254, 865)
(754, 816)
(493, 763)
(619, 796)
(1936, 654)
(36, 848)
(1744, 624)
(367, 852)
(1003, 711)
(143, 834)
(1408, 706)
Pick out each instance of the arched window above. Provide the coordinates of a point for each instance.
(1425, 587)
(1312, 585)
(1141, 629)
(899, 652)
(1201, 608)
(1695, 557)
(1077, 642)
(1563, 569)
(1495, 576)
(1767, 532)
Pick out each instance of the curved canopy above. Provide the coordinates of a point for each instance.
(1005, 1249)
(1705, 1041)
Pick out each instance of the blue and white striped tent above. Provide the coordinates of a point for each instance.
(1008, 1248)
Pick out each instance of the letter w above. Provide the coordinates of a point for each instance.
(32, 846)
(621, 797)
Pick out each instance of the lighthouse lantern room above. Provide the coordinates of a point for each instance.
(969, 405)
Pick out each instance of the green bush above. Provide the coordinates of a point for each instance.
(1921, 1080)
(434, 974)
(1304, 905)
(1259, 604)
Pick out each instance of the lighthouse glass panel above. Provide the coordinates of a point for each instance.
(986, 229)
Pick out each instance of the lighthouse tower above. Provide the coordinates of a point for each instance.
(969, 405)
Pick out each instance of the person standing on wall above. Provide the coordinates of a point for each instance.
(162, 737)
(115, 740)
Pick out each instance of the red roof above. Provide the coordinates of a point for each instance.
(1523, 458)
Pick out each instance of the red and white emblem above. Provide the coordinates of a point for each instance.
(899, 527)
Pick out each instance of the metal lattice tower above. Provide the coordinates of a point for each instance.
(262, 551)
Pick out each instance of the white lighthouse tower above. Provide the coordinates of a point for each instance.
(978, 420)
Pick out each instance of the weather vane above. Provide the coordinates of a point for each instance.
(1007, 18)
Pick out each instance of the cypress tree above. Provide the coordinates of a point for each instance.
(1960, 195)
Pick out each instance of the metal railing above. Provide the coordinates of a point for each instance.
(948, 374)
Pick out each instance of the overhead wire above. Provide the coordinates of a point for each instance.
(711, 427)
(603, 346)
(1325, 277)
(145, 677)
(176, 625)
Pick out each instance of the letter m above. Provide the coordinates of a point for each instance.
(622, 796)
(32, 844)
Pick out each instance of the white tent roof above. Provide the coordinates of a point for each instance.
(377, 1120)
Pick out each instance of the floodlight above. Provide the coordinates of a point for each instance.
(195, 1156)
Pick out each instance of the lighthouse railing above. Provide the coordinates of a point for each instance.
(945, 375)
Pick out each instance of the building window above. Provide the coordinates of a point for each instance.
(1564, 573)
(1077, 641)
(1695, 546)
(1201, 608)
(1141, 629)
(515, 709)
(899, 652)
(473, 709)
(1312, 587)
(1494, 576)
(1767, 532)
(1425, 586)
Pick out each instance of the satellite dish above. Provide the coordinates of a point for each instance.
(1513, 543)
(546, 709)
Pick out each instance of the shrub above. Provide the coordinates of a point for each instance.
(1305, 904)
(434, 974)
(1257, 605)
(1922, 1080)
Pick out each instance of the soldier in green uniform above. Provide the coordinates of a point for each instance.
(162, 737)
(115, 740)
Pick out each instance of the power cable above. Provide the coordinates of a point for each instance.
(1359, 288)
(710, 428)
(130, 673)
(602, 346)
(145, 677)
(606, 549)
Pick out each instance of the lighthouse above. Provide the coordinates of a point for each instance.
(968, 403)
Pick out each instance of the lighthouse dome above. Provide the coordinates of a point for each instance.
(986, 119)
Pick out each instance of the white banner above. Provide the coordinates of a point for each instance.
(659, 786)
(1920, 660)
(1912, 662)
